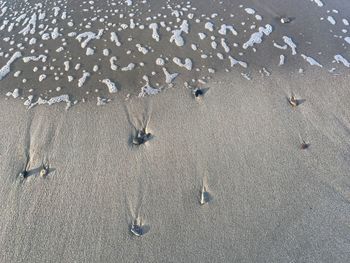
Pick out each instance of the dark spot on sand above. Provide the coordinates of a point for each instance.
(24, 174)
(198, 92)
(305, 145)
(205, 197)
(141, 137)
(137, 229)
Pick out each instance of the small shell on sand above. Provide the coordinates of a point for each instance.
(286, 20)
(44, 170)
(293, 101)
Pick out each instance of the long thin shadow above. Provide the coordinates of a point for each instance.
(35, 172)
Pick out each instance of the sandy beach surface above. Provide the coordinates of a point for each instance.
(275, 176)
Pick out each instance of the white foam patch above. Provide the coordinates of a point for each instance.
(209, 26)
(90, 51)
(331, 20)
(7, 67)
(291, 44)
(154, 28)
(220, 56)
(347, 40)
(258, 17)
(28, 100)
(177, 37)
(160, 62)
(3, 10)
(85, 37)
(311, 61)
(142, 49)
(101, 101)
(110, 85)
(115, 39)
(31, 26)
(187, 64)
(224, 28)
(17, 73)
(256, 38)
(83, 79)
(42, 77)
(14, 94)
(169, 77)
(179, 41)
(282, 59)
(66, 65)
(32, 41)
(225, 46)
(234, 62)
(55, 34)
(112, 61)
(318, 2)
(53, 100)
(249, 11)
(341, 59)
(33, 58)
(105, 52)
(279, 46)
(129, 67)
(60, 49)
(202, 36)
(56, 10)
(147, 89)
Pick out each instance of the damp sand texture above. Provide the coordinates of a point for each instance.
(270, 200)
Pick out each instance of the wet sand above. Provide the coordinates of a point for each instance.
(271, 200)
(322, 42)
